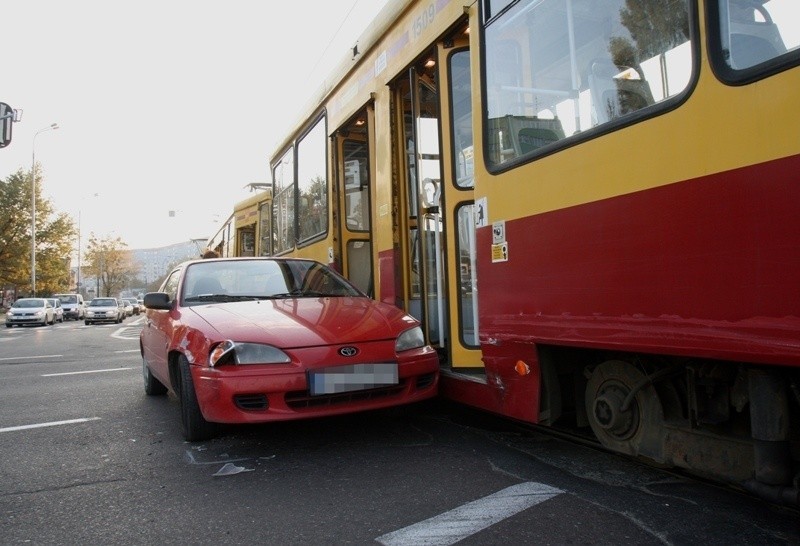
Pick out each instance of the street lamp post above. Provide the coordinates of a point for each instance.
(79, 283)
(33, 205)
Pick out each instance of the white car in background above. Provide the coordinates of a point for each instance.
(73, 304)
(104, 310)
(58, 310)
(30, 311)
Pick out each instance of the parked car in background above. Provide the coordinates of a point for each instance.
(104, 310)
(134, 303)
(58, 310)
(30, 311)
(127, 308)
(251, 340)
(73, 305)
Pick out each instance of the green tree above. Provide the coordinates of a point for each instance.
(55, 234)
(111, 264)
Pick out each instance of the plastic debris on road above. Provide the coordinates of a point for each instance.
(229, 469)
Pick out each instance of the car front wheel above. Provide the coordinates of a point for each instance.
(195, 426)
(152, 386)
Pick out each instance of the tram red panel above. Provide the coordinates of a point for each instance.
(709, 266)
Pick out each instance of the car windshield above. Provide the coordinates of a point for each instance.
(28, 303)
(102, 303)
(234, 280)
(68, 299)
(53, 301)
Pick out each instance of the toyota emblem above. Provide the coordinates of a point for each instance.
(348, 351)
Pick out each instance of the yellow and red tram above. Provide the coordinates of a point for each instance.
(593, 206)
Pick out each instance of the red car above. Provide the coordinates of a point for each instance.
(251, 340)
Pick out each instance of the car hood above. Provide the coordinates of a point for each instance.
(305, 322)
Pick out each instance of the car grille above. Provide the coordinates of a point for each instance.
(302, 399)
(251, 402)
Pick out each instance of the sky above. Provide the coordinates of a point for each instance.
(167, 109)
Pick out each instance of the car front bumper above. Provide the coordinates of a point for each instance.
(20, 321)
(102, 318)
(257, 394)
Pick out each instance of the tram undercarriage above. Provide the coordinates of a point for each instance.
(733, 422)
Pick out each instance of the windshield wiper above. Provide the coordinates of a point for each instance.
(220, 297)
(301, 293)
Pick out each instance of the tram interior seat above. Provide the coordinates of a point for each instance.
(616, 90)
(754, 37)
(513, 136)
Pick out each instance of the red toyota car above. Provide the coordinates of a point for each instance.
(252, 340)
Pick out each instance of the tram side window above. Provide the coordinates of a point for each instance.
(264, 228)
(557, 68)
(356, 185)
(312, 181)
(283, 204)
(754, 32)
(461, 94)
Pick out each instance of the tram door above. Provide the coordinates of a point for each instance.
(353, 163)
(437, 199)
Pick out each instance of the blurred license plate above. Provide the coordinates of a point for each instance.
(352, 378)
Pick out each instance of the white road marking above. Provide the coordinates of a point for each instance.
(30, 357)
(51, 424)
(85, 371)
(468, 519)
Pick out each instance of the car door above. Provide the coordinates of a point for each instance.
(157, 330)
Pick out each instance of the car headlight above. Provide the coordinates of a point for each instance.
(231, 352)
(410, 339)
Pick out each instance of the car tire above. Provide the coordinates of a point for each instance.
(87, 322)
(9, 325)
(195, 426)
(152, 386)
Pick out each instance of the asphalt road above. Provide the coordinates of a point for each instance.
(87, 458)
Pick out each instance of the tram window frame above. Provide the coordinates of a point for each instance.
(304, 237)
(719, 54)
(551, 124)
(284, 195)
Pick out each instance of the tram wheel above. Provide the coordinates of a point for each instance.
(637, 429)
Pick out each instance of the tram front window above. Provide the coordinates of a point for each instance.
(556, 68)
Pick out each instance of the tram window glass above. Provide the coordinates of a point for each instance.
(283, 203)
(264, 224)
(461, 93)
(356, 185)
(556, 68)
(754, 32)
(312, 182)
(468, 303)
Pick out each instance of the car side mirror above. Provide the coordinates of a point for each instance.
(157, 300)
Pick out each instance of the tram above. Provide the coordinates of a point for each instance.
(593, 206)
(247, 230)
